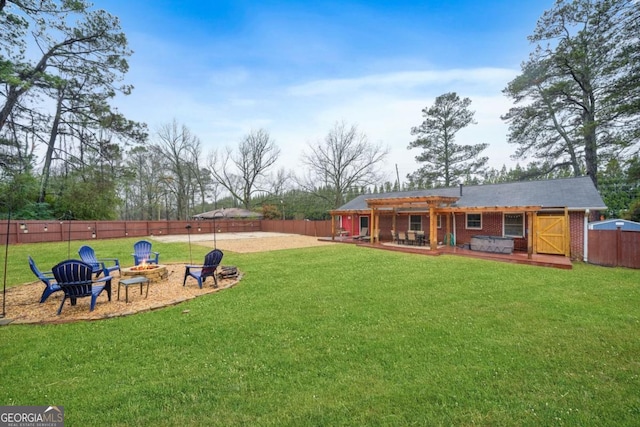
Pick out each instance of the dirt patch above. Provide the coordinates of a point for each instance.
(247, 242)
(264, 244)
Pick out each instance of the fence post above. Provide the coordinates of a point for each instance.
(618, 243)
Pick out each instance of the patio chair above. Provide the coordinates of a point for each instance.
(207, 269)
(402, 237)
(142, 253)
(88, 255)
(50, 285)
(75, 278)
(411, 237)
(364, 233)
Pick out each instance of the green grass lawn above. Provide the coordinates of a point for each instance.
(342, 335)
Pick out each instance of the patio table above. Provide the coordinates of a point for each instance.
(138, 280)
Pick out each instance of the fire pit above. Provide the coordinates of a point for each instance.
(153, 272)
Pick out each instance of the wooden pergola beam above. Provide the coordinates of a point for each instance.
(455, 209)
(350, 212)
(439, 204)
(412, 202)
(481, 209)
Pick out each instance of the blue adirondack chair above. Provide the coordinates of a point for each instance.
(142, 252)
(50, 285)
(207, 269)
(75, 278)
(88, 255)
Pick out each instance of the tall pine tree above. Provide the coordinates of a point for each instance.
(445, 163)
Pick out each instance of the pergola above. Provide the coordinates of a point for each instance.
(434, 206)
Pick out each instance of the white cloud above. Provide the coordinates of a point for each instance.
(403, 80)
(229, 78)
(384, 106)
(387, 106)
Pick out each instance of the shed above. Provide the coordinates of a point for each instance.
(613, 224)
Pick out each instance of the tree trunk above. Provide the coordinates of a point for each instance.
(12, 98)
(53, 136)
(591, 151)
(590, 138)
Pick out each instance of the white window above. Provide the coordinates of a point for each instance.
(513, 224)
(474, 221)
(415, 222)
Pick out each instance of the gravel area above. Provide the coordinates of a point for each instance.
(249, 242)
(23, 306)
(22, 301)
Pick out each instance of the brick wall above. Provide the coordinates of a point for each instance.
(491, 225)
(576, 231)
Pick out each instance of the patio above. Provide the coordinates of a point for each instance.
(517, 257)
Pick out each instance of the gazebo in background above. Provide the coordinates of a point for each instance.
(228, 213)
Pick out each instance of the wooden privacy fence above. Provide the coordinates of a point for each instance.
(303, 227)
(61, 231)
(614, 248)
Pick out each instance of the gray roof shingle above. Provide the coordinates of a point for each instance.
(573, 193)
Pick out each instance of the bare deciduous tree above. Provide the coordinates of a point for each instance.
(345, 159)
(244, 173)
(178, 144)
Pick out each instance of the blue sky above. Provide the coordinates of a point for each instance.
(295, 68)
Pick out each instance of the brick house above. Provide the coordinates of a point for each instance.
(555, 212)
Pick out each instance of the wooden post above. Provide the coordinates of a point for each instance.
(372, 225)
(618, 245)
(376, 230)
(433, 228)
(448, 230)
(393, 221)
(567, 232)
(534, 230)
(530, 235)
(333, 227)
